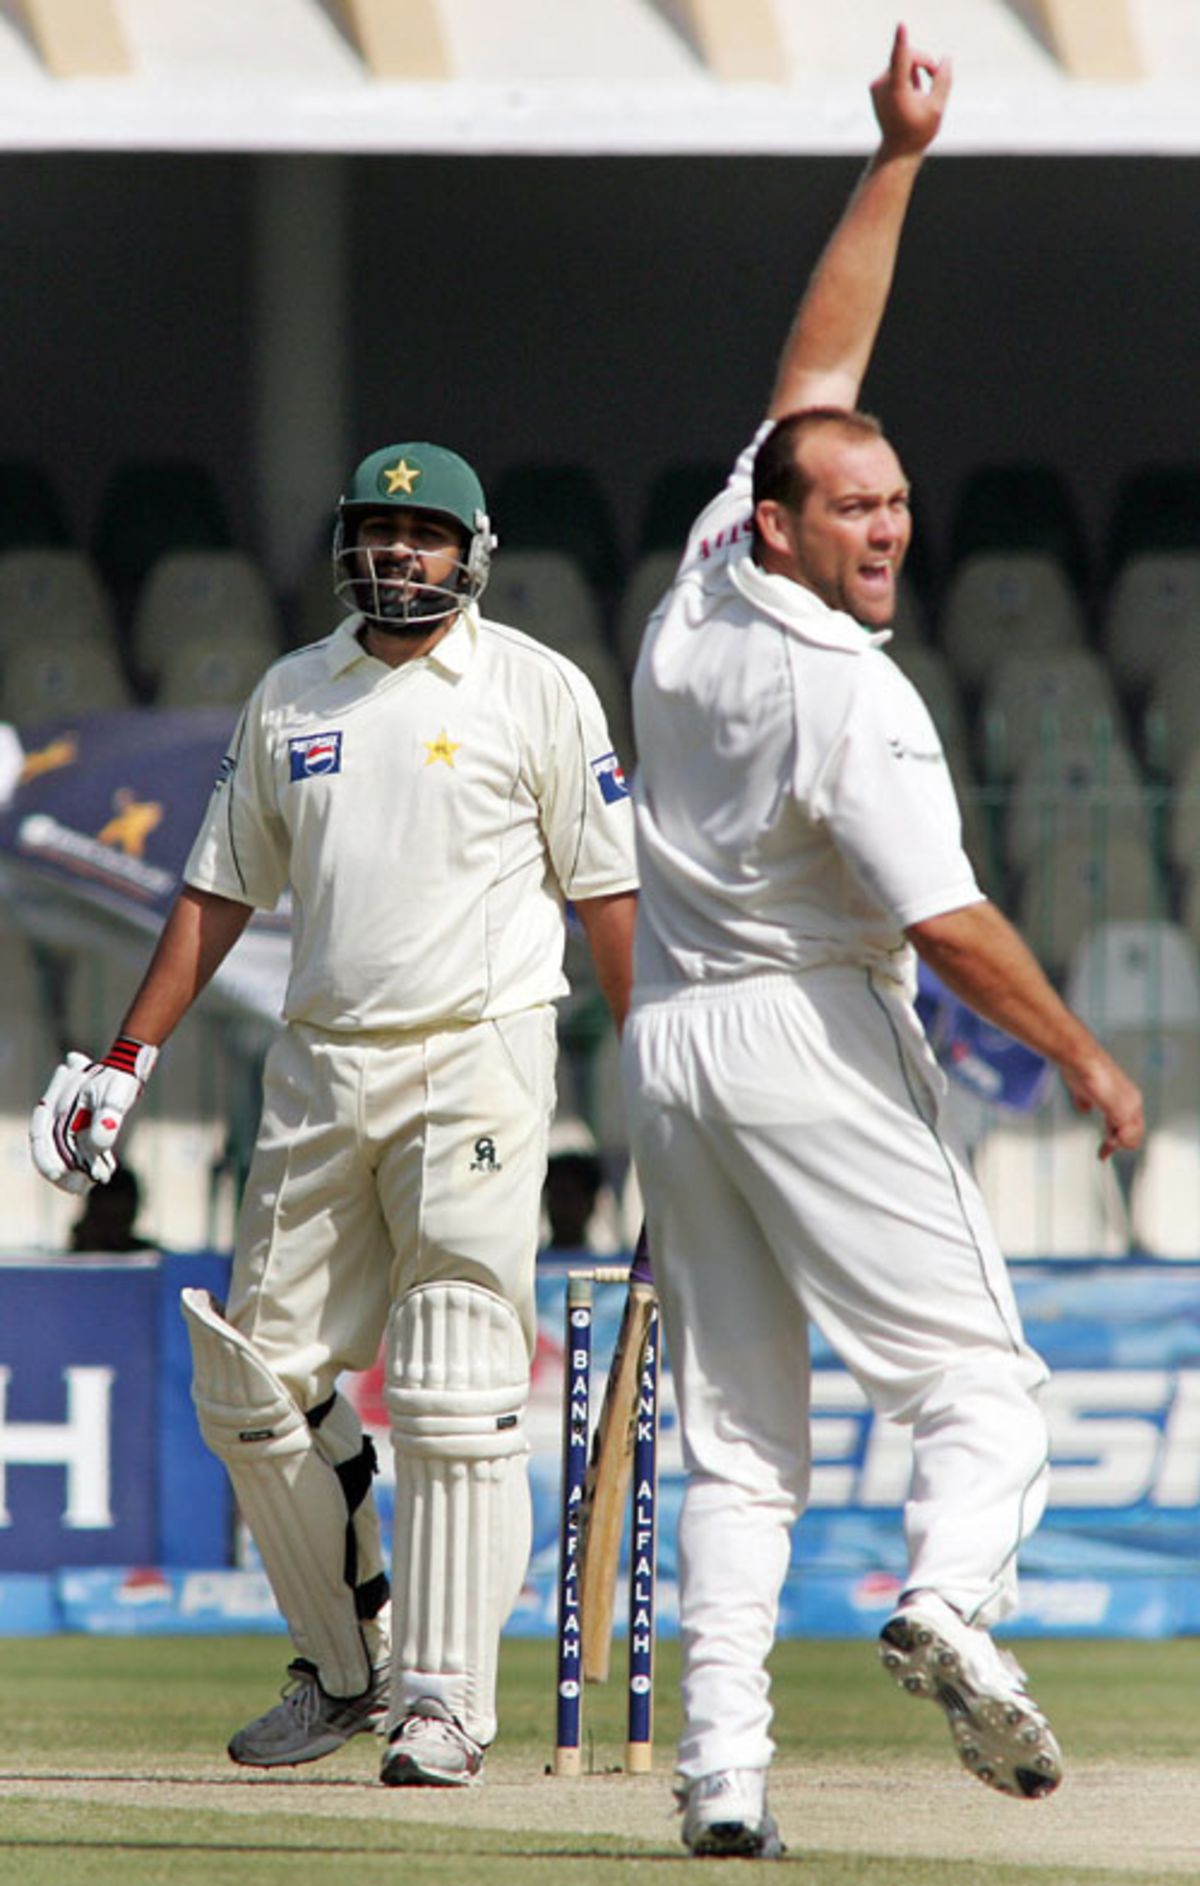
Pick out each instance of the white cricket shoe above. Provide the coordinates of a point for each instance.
(999, 1731)
(725, 1815)
(309, 1723)
(430, 1750)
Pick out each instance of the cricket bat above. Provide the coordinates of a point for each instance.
(606, 1489)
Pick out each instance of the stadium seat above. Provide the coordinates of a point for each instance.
(604, 673)
(314, 610)
(1165, 1062)
(546, 593)
(644, 587)
(36, 1215)
(1183, 814)
(911, 623)
(1000, 603)
(212, 671)
(1139, 975)
(677, 495)
(1023, 507)
(53, 593)
(1151, 616)
(32, 513)
(42, 679)
(1045, 700)
(1156, 507)
(1047, 1193)
(150, 506)
(562, 508)
(1069, 888)
(934, 680)
(1171, 722)
(1091, 793)
(195, 594)
(1164, 1196)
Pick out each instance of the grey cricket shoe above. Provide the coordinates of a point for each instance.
(430, 1749)
(309, 1723)
(725, 1816)
(1001, 1735)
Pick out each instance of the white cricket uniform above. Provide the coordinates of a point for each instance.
(794, 813)
(429, 820)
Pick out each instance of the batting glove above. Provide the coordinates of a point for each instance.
(76, 1122)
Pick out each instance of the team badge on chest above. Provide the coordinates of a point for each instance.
(313, 755)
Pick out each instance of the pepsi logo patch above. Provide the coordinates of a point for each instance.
(610, 777)
(313, 755)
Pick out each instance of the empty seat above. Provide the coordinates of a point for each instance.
(32, 512)
(1045, 699)
(212, 671)
(1020, 506)
(1092, 793)
(677, 495)
(150, 506)
(1152, 615)
(1156, 507)
(52, 593)
(1183, 815)
(647, 583)
(315, 610)
(1164, 1195)
(1047, 1192)
(910, 623)
(1071, 887)
(546, 593)
(559, 507)
(1172, 717)
(934, 680)
(1165, 1063)
(1136, 975)
(41, 680)
(1002, 603)
(604, 673)
(202, 593)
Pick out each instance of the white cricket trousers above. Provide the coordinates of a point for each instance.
(794, 1166)
(384, 1161)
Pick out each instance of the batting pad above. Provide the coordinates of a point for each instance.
(458, 1383)
(289, 1492)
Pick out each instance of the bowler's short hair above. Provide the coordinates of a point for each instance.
(776, 473)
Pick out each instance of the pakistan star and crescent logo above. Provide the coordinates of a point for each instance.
(443, 748)
(401, 477)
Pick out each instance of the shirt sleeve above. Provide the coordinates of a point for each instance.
(586, 811)
(241, 850)
(890, 803)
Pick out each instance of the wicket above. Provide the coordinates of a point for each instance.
(577, 1362)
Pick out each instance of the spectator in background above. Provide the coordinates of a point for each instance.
(578, 1206)
(109, 1215)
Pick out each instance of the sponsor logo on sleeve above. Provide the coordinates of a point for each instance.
(313, 755)
(610, 777)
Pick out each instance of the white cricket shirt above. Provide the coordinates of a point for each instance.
(793, 803)
(429, 819)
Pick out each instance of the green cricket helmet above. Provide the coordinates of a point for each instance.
(418, 477)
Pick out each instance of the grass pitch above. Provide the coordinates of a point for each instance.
(113, 1773)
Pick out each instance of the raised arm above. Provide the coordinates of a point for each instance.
(829, 346)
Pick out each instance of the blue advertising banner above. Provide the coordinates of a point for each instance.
(113, 1517)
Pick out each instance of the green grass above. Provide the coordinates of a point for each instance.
(112, 1773)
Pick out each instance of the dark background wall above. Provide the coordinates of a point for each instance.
(618, 312)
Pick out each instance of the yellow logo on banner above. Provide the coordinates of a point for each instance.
(131, 824)
(48, 759)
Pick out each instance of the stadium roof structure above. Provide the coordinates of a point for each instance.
(581, 77)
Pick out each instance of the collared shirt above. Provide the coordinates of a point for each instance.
(792, 798)
(429, 820)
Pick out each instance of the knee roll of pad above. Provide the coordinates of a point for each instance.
(458, 1374)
